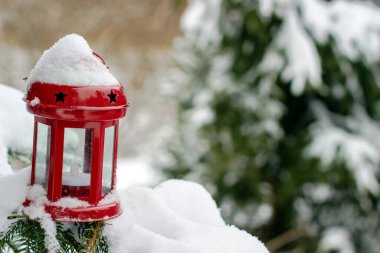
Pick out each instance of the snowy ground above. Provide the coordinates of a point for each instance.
(175, 216)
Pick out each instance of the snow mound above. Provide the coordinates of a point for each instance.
(190, 200)
(16, 126)
(71, 61)
(176, 216)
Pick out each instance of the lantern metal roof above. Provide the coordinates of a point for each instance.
(69, 102)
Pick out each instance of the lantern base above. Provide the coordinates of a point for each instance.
(82, 214)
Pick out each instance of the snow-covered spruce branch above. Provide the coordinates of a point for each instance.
(27, 235)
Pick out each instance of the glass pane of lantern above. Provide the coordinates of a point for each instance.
(109, 136)
(76, 176)
(42, 155)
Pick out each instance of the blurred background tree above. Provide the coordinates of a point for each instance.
(279, 118)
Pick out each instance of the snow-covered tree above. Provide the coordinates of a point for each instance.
(279, 116)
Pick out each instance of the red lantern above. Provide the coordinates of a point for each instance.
(75, 147)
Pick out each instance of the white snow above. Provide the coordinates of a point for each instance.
(353, 25)
(16, 126)
(36, 211)
(12, 194)
(111, 197)
(356, 147)
(204, 12)
(70, 61)
(190, 200)
(176, 216)
(68, 202)
(303, 64)
(169, 219)
(336, 239)
(37, 193)
(35, 101)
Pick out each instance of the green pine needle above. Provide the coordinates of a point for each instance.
(27, 235)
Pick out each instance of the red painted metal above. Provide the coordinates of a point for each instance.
(84, 214)
(97, 161)
(84, 107)
(88, 103)
(32, 177)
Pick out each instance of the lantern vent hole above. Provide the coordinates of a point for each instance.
(60, 97)
(112, 97)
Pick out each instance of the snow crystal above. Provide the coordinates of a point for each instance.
(70, 61)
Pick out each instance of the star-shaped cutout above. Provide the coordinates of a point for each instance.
(112, 97)
(60, 97)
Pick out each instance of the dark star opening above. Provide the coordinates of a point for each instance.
(60, 97)
(112, 97)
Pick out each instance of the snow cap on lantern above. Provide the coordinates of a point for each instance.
(77, 77)
(77, 104)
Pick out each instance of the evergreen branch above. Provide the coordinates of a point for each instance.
(13, 247)
(92, 239)
(27, 235)
(67, 240)
(13, 217)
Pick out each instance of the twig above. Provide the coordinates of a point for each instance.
(286, 238)
(21, 216)
(95, 234)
